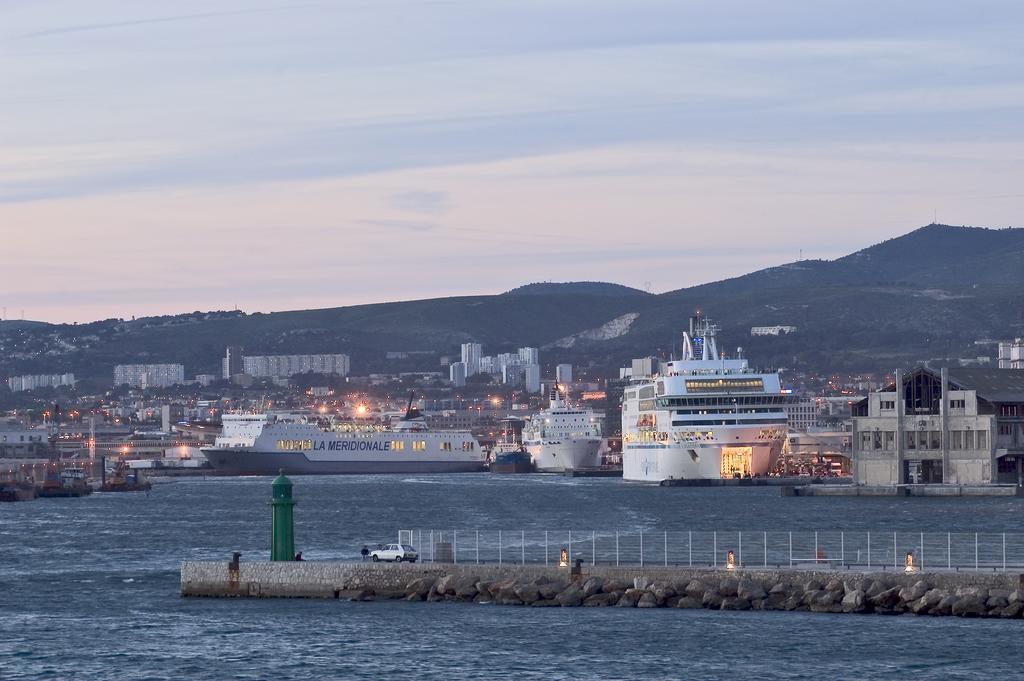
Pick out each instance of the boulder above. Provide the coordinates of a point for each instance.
(672, 601)
(812, 585)
(727, 587)
(570, 596)
(794, 602)
(945, 606)
(854, 601)
(835, 585)
(445, 585)
(592, 586)
(527, 593)
(601, 600)
(779, 588)
(414, 597)
(613, 584)
(663, 592)
(735, 603)
(545, 604)
(912, 593)
(647, 600)
(420, 587)
(969, 606)
(886, 599)
(750, 590)
(1015, 597)
(549, 590)
(641, 582)
(927, 602)
(711, 600)
(629, 598)
(689, 602)
(1012, 610)
(465, 587)
(994, 602)
(877, 587)
(696, 588)
(775, 601)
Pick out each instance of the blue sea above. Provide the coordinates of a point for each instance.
(89, 588)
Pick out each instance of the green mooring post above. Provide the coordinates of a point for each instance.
(283, 547)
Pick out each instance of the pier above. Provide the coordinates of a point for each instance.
(957, 593)
(936, 490)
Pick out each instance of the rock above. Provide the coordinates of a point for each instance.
(794, 602)
(945, 606)
(629, 598)
(696, 588)
(969, 606)
(549, 590)
(506, 595)
(527, 593)
(611, 585)
(735, 603)
(592, 586)
(663, 592)
(445, 585)
(999, 593)
(433, 596)
(812, 585)
(711, 600)
(877, 587)
(915, 592)
(689, 602)
(854, 601)
(886, 599)
(364, 595)
(779, 588)
(484, 597)
(601, 600)
(647, 600)
(994, 602)
(727, 587)
(1012, 610)
(545, 604)
(750, 590)
(775, 601)
(420, 587)
(1014, 597)
(465, 587)
(641, 582)
(927, 602)
(414, 597)
(834, 585)
(570, 596)
(672, 601)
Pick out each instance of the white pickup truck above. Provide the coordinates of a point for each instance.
(395, 553)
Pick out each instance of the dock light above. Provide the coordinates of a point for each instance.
(563, 558)
(730, 561)
(908, 562)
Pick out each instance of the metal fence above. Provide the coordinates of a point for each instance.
(860, 550)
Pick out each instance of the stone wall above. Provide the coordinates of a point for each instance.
(962, 593)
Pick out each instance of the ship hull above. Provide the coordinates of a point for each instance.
(691, 461)
(242, 461)
(565, 455)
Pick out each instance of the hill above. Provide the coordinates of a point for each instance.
(930, 293)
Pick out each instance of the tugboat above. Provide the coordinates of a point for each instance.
(68, 482)
(125, 480)
(508, 455)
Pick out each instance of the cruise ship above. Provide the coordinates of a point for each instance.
(263, 444)
(704, 416)
(562, 438)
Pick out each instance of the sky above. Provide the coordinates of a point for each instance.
(158, 158)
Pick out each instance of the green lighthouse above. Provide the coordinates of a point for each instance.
(283, 547)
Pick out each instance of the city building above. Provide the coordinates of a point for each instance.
(644, 367)
(471, 356)
(529, 356)
(20, 383)
(563, 374)
(149, 375)
(457, 374)
(1011, 354)
(802, 414)
(232, 364)
(531, 378)
(771, 330)
(954, 426)
(206, 379)
(19, 442)
(285, 366)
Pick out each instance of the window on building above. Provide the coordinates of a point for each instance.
(934, 441)
(958, 404)
(911, 438)
(982, 440)
(890, 440)
(888, 405)
(922, 439)
(877, 440)
(956, 438)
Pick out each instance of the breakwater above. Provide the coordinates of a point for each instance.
(941, 593)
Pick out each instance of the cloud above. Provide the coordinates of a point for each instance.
(421, 201)
(402, 225)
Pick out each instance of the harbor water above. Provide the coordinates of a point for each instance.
(90, 588)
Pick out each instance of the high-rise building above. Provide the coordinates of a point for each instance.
(529, 356)
(1011, 354)
(19, 383)
(232, 364)
(149, 375)
(531, 378)
(457, 374)
(563, 374)
(285, 366)
(471, 355)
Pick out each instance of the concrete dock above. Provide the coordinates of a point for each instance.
(903, 491)
(978, 594)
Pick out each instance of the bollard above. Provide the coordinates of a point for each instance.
(283, 528)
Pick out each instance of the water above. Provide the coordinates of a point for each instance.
(88, 588)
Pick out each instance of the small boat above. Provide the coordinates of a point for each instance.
(508, 455)
(124, 479)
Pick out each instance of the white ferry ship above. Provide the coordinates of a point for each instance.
(263, 444)
(703, 417)
(562, 438)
